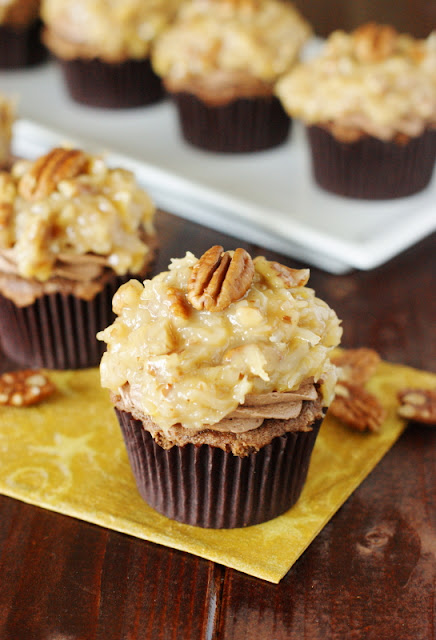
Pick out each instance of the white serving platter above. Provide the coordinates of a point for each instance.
(267, 198)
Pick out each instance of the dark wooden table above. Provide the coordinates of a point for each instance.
(369, 575)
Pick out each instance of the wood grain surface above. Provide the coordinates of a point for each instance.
(417, 17)
(369, 575)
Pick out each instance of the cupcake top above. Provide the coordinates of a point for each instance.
(222, 41)
(18, 13)
(194, 342)
(69, 215)
(373, 80)
(113, 30)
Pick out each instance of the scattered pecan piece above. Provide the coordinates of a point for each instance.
(356, 366)
(357, 408)
(374, 42)
(47, 171)
(23, 388)
(418, 405)
(220, 278)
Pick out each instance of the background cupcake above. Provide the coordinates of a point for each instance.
(220, 375)
(104, 48)
(369, 102)
(71, 231)
(20, 28)
(220, 60)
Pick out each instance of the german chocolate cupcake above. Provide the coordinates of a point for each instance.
(71, 231)
(219, 62)
(104, 48)
(369, 104)
(220, 375)
(20, 31)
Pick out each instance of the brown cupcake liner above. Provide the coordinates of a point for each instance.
(21, 47)
(122, 85)
(57, 331)
(370, 168)
(208, 487)
(241, 126)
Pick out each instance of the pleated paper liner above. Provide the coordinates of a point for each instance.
(370, 168)
(21, 47)
(58, 331)
(208, 487)
(122, 85)
(241, 126)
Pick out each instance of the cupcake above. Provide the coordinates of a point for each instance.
(20, 27)
(220, 376)
(369, 105)
(72, 231)
(103, 47)
(219, 62)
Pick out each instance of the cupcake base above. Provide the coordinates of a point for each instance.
(208, 487)
(370, 168)
(241, 126)
(122, 85)
(57, 331)
(21, 47)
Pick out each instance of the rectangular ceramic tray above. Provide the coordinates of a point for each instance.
(267, 198)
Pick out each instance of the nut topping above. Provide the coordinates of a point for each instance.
(46, 172)
(291, 277)
(357, 408)
(374, 42)
(418, 405)
(220, 278)
(178, 303)
(23, 388)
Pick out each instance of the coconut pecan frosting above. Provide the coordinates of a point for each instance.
(219, 344)
(372, 81)
(68, 217)
(222, 49)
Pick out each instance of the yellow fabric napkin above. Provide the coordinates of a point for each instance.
(67, 455)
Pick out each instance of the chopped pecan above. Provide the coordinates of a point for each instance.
(356, 366)
(418, 405)
(357, 407)
(220, 278)
(374, 42)
(46, 172)
(6, 228)
(291, 277)
(178, 303)
(23, 388)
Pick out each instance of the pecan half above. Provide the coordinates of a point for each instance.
(220, 278)
(418, 405)
(357, 408)
(374, 42)
(356, 366)
(23, 388)
(46, 172)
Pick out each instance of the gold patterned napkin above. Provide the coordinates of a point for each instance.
(67, 455)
